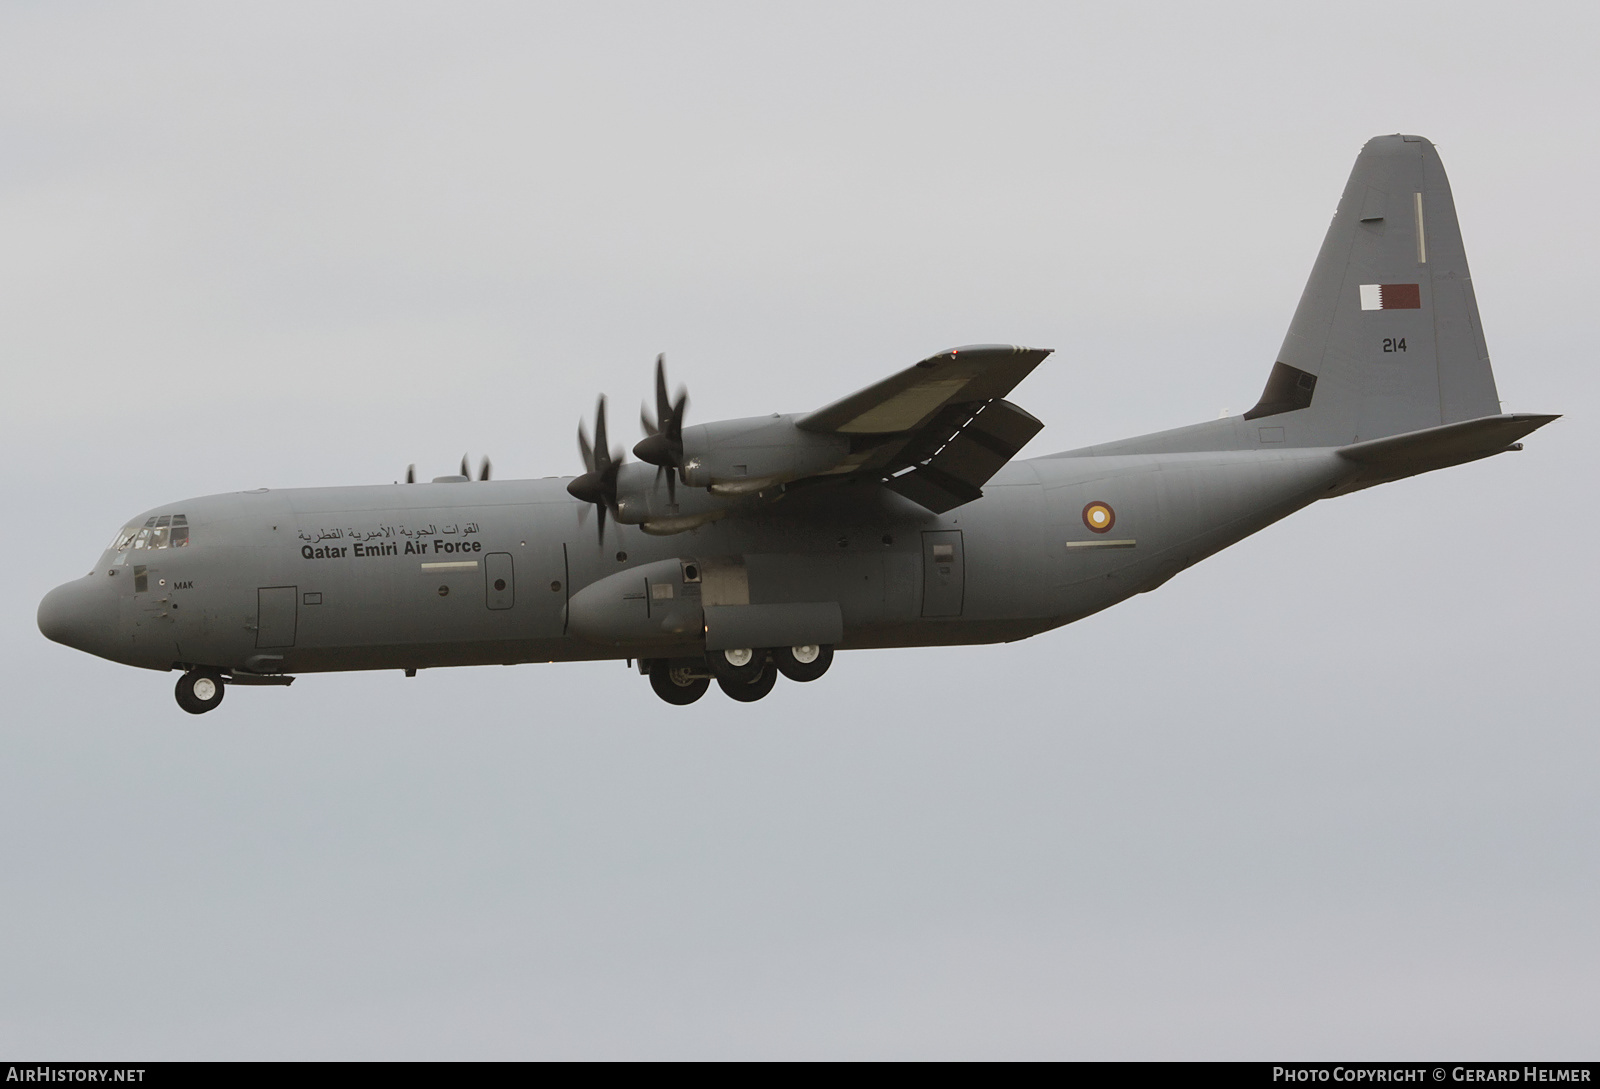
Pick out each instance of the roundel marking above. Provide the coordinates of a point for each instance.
(1099, 517)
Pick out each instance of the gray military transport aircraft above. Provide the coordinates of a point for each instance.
(895, 517)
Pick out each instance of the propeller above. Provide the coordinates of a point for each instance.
(466, 471)
(662, 445)
(599, 484)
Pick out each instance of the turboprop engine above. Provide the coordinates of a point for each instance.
(724, 465)
(742, 457)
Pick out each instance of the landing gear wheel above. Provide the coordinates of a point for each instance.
(199, 691)
(736, 666)
(803, 663)
(674, 681)
(750, 691)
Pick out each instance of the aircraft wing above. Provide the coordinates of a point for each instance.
(938, 430)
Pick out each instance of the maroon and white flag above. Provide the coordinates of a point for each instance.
(1391, 297)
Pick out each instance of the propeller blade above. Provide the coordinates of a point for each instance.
(483, 471)
(663, 405)
(465, 470)
(585, 449)
(601, 449)
(678, 409)
(411, 474)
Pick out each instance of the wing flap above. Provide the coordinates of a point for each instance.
(951, 465)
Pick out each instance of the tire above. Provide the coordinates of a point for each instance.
(671, 682)
(199, 691)
(803, 663)
(736, 666)
(750, 691)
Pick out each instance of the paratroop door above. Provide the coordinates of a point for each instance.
(275, 615)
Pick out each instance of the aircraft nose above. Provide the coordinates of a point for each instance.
(80, 614)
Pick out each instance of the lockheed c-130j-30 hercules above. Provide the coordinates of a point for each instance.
(745, 549)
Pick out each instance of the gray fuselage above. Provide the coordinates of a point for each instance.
(476, 573)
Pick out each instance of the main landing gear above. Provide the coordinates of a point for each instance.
(745, 674)
(678, 681)
(199, 691)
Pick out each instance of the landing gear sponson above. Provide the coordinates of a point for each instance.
(745, 674)
(747, 645)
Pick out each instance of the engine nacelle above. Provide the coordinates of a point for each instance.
(644, 500)
(742, 457)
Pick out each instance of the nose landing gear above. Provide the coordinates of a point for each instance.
(199, 691)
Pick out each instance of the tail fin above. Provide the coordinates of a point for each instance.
(1386, 338)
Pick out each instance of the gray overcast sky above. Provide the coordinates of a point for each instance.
(1329, 794)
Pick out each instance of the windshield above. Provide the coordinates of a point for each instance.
(160, 531)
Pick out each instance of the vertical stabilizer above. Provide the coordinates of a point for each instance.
(1386, 338)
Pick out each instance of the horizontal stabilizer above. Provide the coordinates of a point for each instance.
(1400, 456)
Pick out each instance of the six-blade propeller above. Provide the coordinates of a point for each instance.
(599, 484)
(466, 471)
(662, 445)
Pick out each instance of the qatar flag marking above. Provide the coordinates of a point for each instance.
(1391, 297)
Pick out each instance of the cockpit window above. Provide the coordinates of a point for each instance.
(160, 531)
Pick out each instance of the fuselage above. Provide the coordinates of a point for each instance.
(416, 576)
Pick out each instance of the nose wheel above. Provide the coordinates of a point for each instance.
(199, 691)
